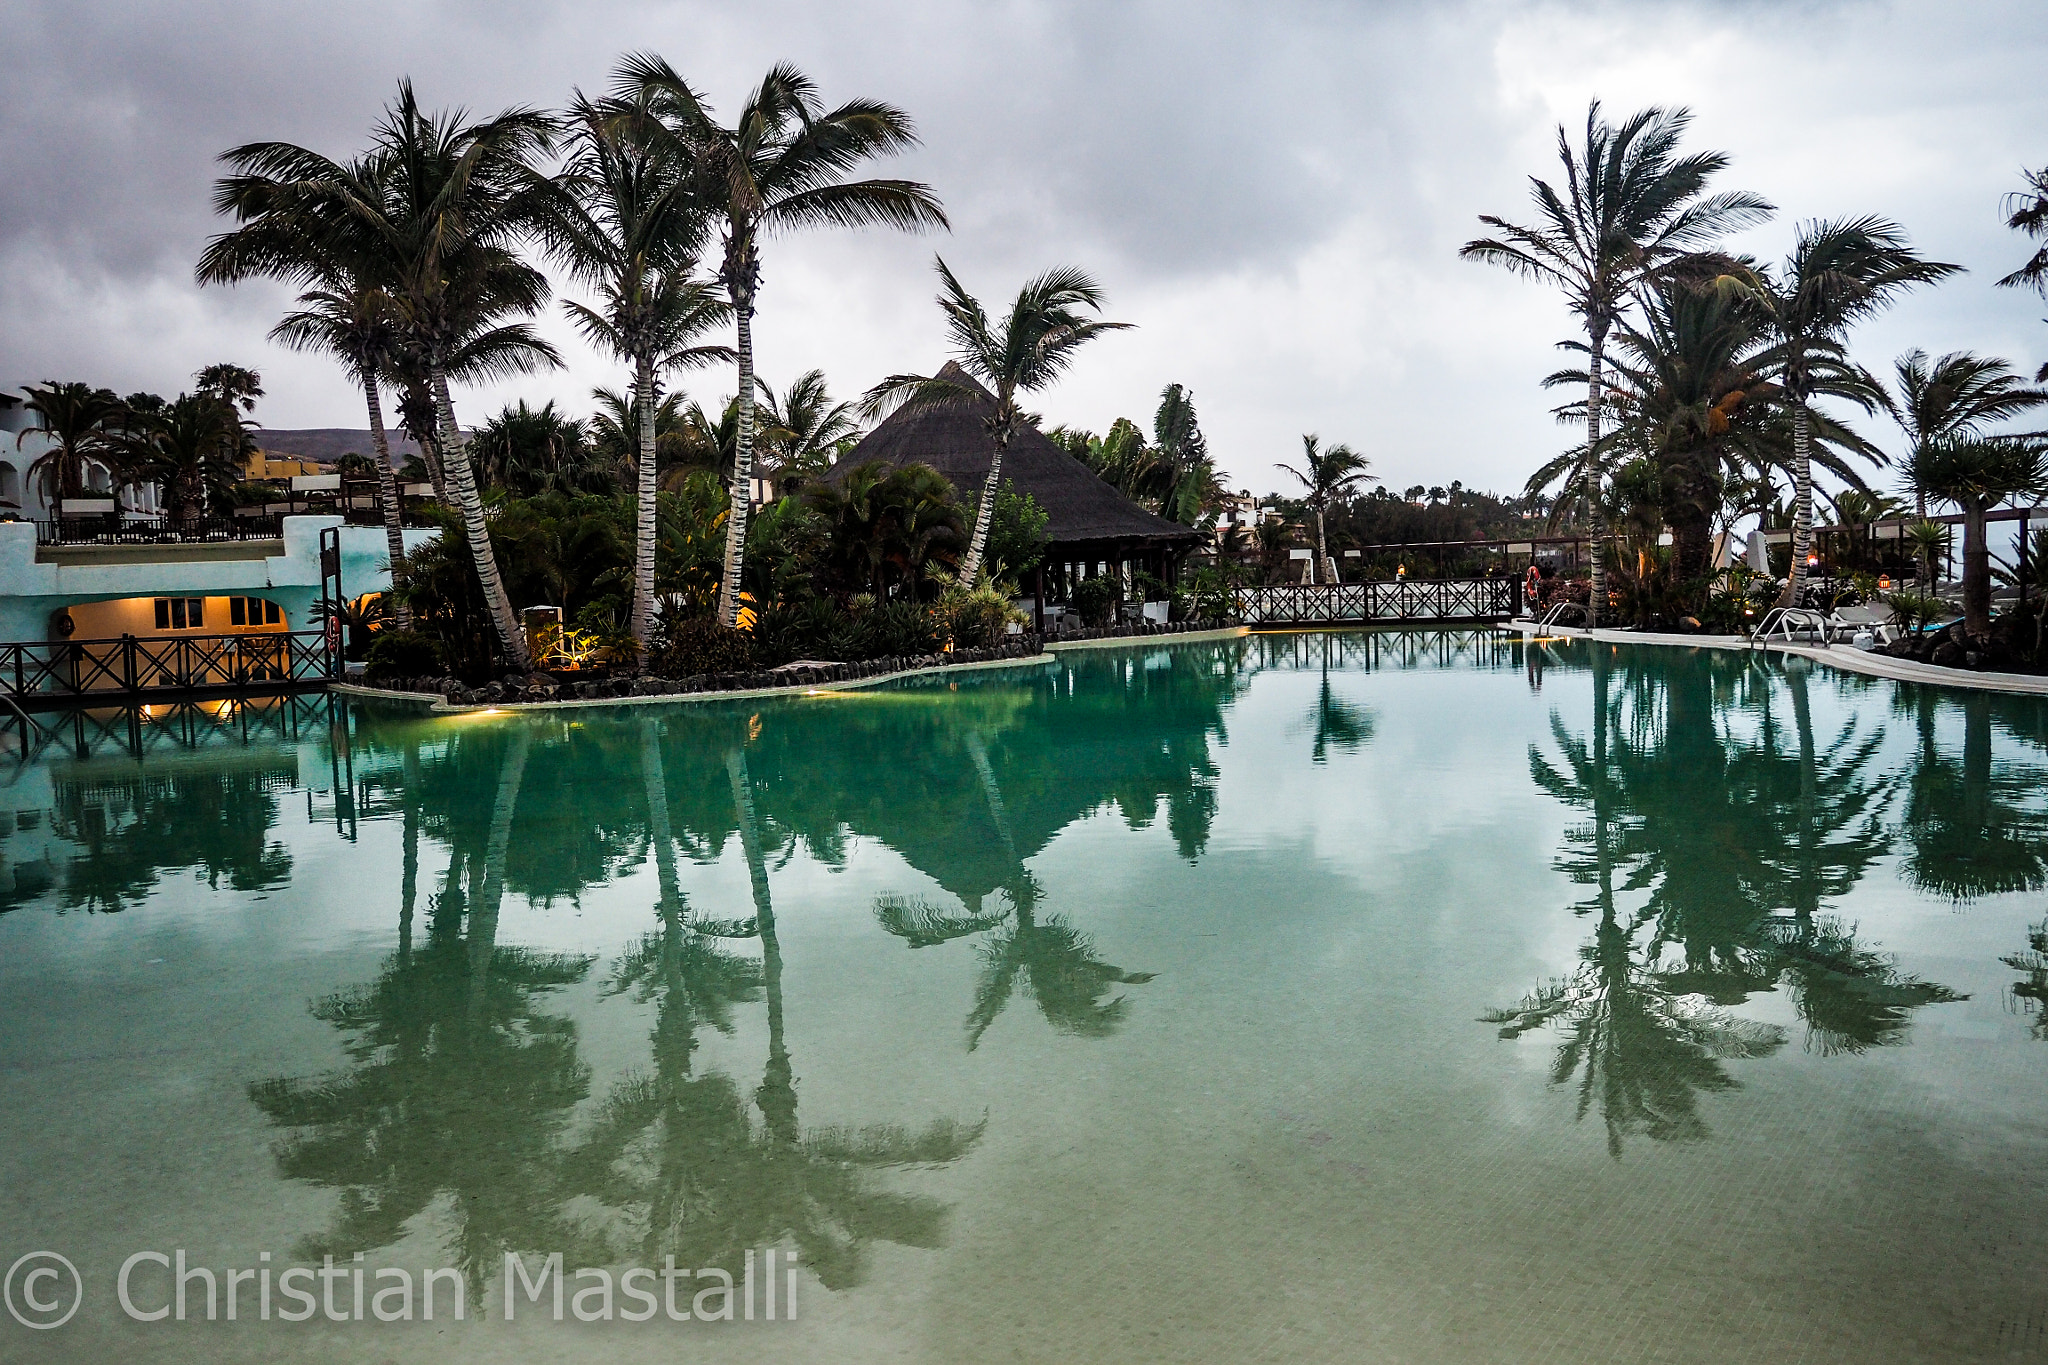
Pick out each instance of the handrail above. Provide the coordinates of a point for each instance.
(1426, 599)
(143, 665)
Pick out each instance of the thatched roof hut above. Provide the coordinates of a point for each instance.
(1090, 522)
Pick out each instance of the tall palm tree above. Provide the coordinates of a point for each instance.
(1630, 207)
(1954, 396)
(79, 420)
(2027, 213)
(1024, 353)
(1333, 475)
(436, 211)
(1838, 274)
(780, 166)
(630, 227)
(358, 324)
(1976, 475)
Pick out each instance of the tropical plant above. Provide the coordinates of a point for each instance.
(528, 451)
(1838, 274)
(358, 323)
(1955, 396)
(884, 527)
(2027, 213)
(79, 420)
(1333, 475)
(1976, 474)
(630, 226)
(811, 431)
(782, 165)
(1031, 347)
(190, 450)
(435, 212)
(1630, 207)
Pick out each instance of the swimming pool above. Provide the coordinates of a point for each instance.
(1406, 996)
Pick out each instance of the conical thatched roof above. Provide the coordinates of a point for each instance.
(1083, 513)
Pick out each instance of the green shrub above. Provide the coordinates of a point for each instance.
(1095, 599)
(686, 648)
(402, 654)
(1913, 609)
(978, 619)
(894, 629)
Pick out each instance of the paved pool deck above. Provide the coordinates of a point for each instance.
(1846, 657)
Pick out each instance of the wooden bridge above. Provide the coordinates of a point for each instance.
(1434, 600)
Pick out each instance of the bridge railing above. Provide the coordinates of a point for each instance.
(1423, 599)
(143, 665)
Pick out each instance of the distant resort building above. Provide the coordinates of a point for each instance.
(1096, 531)
(103, 566)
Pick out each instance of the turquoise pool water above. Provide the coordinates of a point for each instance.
(1418, 997)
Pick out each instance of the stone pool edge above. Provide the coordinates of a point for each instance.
(1845, 657)
(436, 704)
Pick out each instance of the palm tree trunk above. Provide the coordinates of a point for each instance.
(984, 515)
(1596, 595)
(430, 455)
(643, 557)
(742, 467)
(777, 1095)
(655, 775)
(1324, 569)
(483, 912)
(471, 506)
(1802, 503)
(1976, 572)
(387, 493)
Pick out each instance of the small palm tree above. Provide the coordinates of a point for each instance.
(1024, 353)
(780, 166)
(1976, 475)
(1631, 206)
(358, 324)
(629, 226)
(814, 428)
(1955, 396)
(187, 450)
(79, 420)
(1333, 475)
(1837, 275)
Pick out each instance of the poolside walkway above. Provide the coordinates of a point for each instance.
(1846, 657)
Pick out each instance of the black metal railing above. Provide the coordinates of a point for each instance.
(43, 672)
(1427, 599)
(110, 530)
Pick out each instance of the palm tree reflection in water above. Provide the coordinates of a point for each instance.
(1729, 845)
(460, 1088)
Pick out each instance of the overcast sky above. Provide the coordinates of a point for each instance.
(1274, 192)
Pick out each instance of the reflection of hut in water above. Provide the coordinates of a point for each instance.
(1095, 530)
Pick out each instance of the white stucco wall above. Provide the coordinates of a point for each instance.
(30, 591)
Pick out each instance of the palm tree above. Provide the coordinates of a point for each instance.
(781, 166)
(1333, 475)
(358, 324)
(186, 451)
(1838, 274)
(436, 211)
(1029, 349)
(814, 429)
(2027, 213)
(1954, 396)
(1190, 482)
(629, 226)
(79, 420)
(1631, 206)
(1976, 475)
